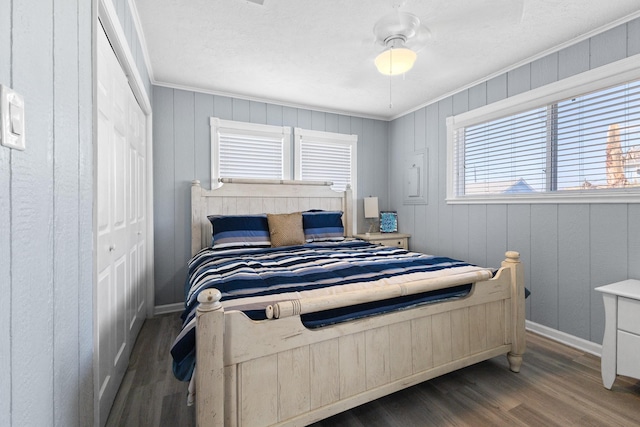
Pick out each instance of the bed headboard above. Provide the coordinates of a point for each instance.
(252, 196)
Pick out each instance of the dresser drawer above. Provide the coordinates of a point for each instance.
(399, 240)
(400, 243)
(628, 310)
(628, 359)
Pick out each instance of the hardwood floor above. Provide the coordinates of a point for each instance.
(557, 386)
(150, 395)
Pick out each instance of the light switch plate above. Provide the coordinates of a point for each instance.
(11, 119)
(415, 178)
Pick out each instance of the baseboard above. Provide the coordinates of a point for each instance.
(168, 308)
(564, 338)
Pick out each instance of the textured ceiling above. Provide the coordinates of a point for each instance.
(319, 53)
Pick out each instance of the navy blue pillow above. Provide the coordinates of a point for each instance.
(240, 230)
(322, 226)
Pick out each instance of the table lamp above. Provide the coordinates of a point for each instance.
(371, 211)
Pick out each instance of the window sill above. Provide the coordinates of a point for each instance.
(584, 197)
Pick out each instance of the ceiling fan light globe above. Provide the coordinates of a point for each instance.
(396, 61)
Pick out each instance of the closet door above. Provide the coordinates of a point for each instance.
(120, 226)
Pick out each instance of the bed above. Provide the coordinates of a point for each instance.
(277, 371)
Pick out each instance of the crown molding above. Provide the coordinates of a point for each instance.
(270, 101)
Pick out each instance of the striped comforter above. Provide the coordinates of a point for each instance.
(250, 279)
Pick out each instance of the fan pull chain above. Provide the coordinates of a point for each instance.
(390, 100)
(390, 71)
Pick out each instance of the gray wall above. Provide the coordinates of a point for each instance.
(46, 197)
(45, 205)
(182, 153)
(133, 39)
(567, 249)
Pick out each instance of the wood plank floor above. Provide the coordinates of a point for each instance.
(557, 386)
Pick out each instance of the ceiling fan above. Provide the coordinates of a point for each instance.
(403, 34)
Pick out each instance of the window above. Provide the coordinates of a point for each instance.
(249, 150)
(579, 140)
(326, 156)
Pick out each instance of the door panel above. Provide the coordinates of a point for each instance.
(119, 179)
(120, 286)
(142, 192)
(132, 295)
(133, 185)
(141, 284)
(105, 350)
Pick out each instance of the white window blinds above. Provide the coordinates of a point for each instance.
(243, 156)
(589, 142)
(325, 156)
(504, 155)
(248, 150)
(598, 139)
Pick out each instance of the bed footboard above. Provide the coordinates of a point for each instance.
(277, 372)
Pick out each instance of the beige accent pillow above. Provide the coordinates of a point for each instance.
(286, 229)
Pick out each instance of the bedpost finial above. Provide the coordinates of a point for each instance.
(512, 256)
(209, 300)
(195, 182)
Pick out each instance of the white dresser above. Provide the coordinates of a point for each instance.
(621, 343)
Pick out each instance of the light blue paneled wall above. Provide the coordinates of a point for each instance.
(567, 249)
(46, 198)
(46, 315)
(182, 153)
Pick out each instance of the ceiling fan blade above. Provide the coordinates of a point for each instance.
(420, 40)
(396, 24)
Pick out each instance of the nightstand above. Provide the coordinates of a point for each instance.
(387, 239)
(621, 343)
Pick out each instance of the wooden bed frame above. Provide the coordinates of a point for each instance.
(277, 372)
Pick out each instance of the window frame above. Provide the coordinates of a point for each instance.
(217, 125)
(327, 138)
(613, 74)
(335, 139)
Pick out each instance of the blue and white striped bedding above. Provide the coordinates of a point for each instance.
(250, 279)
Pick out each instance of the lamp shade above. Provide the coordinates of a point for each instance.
(395, 61)
(371, 207)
